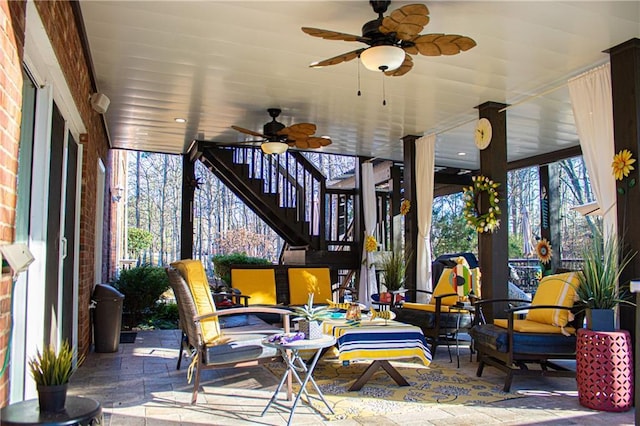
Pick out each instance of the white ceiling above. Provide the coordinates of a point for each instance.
(223, 63)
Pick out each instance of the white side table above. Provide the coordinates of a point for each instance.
(295, 365)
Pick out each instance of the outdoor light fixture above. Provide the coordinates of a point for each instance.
(382, 58)
(274, 147)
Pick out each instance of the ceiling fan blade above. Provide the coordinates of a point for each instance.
(406, 66)
(295, 137)
(331, 35)
(406, 22)
(442, 44)
(248, 132)
(338, 59)
(301, 143)
(306, 129)
(317, 142)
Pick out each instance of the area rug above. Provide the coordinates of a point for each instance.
(429, 386)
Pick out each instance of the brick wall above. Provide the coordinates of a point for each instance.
(12, 20)
(59, 23)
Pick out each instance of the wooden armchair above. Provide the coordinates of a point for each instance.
(547, 333)
(212, 347)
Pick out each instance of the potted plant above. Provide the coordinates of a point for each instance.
(598, 290)
(393, 267)
(310, 318)
(51, 371)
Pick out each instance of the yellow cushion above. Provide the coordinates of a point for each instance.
(556, 289)
(303, 281)
(193, 273)
(445, 286)
(527, 326)
(260, 284)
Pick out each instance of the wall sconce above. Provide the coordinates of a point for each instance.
(18, 257)
(116, 194)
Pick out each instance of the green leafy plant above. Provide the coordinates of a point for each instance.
(309, 313)
(142, 287)
(222, 264)
(604, 260)
(393, 266)
(51, 367)
(138, 240)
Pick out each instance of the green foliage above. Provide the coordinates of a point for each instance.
(393, 267)
(603, 262)
(450, 234)
(309, 313)
(165, 318)
(223, 262)
(51, 367)
(515, 246)
(138, 240)
(142, 286)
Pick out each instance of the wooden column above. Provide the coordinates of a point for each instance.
(493, 249)
(625, 88)
(186, 222)
(396, 199)
(550, 213)
(411, 218)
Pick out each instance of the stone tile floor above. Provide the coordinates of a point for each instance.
(139, 385)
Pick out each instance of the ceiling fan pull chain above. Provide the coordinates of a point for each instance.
(384, 92)
(359, 93)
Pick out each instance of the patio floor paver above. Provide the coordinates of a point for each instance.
(139, 385)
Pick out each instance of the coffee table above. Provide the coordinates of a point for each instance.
(378, 341)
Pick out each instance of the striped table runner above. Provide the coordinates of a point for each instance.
(373, 340)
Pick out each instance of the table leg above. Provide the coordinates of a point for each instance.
(308, 378)
(372, 368)
(292, 369)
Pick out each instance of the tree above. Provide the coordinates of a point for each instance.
(138, 240)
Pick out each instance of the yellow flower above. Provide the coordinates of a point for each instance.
(404, 207)
(622, 164)
(543, 250)
(371, 244)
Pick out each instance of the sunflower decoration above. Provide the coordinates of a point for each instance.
(489, 220)
(621, 167)
(370, 244)
(543, 250)
(622, 164)
(405, 206)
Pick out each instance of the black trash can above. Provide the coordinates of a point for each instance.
(107, 318)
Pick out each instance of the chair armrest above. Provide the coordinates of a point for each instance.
(250, 310)
(481, 302)
(416, 291)
(533, 307)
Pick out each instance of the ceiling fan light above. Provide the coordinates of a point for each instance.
(274, 147)
(382, 58)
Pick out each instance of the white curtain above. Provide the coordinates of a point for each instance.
(593, 112)
(425, 166)
(368, 284)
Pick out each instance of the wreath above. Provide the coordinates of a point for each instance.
(487, 221)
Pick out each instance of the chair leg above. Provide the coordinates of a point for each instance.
(196, 382)
(507, 381)
(180, 350)
(480, 366)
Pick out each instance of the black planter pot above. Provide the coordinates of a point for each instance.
(601, 319)
(52, 398)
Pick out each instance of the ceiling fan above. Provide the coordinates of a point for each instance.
(276, 137)
(392, 39)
